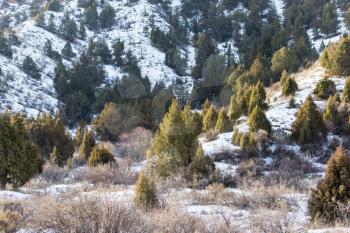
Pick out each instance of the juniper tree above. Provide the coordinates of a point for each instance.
(82, 31)
(19, 157)
(325, 88)
(290, 87)
(308, 125)
(48, 48)
(30, 68)
(210, 118)
(87, 144)
(145, 192)
(205, 108)
(54, 156)
(107, 16)
(330, 23)
(284, 59)
(5, 48)
(235, 110)
(118, 51)
(171, 145)
(91, 16)
(346, 91)
(49, 132)
(257, 98)
(333, 191)
(257, 120)
(331, 114)
(223, 123)
(67, 51)
(100, 156)
(202, 165)
(335, 57)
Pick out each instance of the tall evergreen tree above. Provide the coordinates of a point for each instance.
(205, 47)
(67, 51)
(202, 165)
(330, 23)
(19, 157)
(171, 141)
(107, 16)
(30, 68)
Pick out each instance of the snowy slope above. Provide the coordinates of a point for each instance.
(133, 25)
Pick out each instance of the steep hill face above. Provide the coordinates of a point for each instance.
(133, 24)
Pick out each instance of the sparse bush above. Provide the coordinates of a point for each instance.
(11, 217)
(84, 215)
(250, 169)
(53, 174)
(109, 174)
(135, 143)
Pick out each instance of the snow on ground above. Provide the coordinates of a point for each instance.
(223, 144)
(133, 26)
(280, 114)
(330, 230)
(12, 195)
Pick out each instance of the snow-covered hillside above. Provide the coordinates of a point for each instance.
(133, 25)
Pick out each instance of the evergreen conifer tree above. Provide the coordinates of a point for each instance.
(171, 144)
(257, 97)
(210, 118)
(19, 157)
(100, 155)
(309, 123)
(257, 120)
(67, 51)
(290, 87)
(107, 16)
(87, 144)
(223, 124)
(235, 110)
(82, 31)
(333, 191)
(30, 68)
(54, 156)
(145, 192)
(5, 48)
(346, 91)
(202, 165)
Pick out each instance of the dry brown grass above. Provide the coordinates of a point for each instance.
(108, 175)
